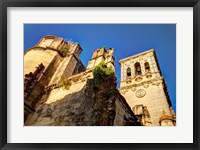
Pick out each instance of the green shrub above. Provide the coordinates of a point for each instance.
(101, 71)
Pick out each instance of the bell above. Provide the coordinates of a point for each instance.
(138, 68)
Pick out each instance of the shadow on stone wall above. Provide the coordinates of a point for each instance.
(94, 105)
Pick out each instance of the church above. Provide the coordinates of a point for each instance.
(60, 91)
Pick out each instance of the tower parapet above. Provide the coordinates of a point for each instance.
(51, 41)
(102, 55)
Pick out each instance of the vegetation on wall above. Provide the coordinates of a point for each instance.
(65, 50)
(65, 83)
(101, 89)
(101, 72)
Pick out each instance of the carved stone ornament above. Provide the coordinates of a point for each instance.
(140, 93)
(156, 83)
(148, 75)
(133, 89)
(124, 91)
(138, 79)
(128, 81)
(146, 86)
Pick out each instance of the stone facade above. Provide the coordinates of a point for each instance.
(59, 90)
(85, 103)
(145, 90)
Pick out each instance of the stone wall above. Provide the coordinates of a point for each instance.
(50, 62)
(84, 103)
(35, 56)
(124, 116)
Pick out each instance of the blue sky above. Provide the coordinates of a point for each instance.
(126, 39)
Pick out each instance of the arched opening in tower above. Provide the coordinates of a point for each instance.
(128, 72)
(147, 67)
(138, 69)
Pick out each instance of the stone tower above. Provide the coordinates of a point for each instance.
(104, 56)
(145, 90)
(45, 64)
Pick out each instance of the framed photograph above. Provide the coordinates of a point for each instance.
(99, 75)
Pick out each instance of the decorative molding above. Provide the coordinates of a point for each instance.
(138, 78)
(146, 86)
(159, 80)
(128, 81)
(133, 89)
(140, 93)
(156, 83)
(124, 91)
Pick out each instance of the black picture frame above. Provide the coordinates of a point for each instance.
(4, 4)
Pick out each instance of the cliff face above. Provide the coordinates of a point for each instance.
(97, 103)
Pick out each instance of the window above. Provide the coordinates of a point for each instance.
(138, 69)
(128, 72)
(147, 67)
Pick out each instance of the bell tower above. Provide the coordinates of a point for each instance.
(145, 90)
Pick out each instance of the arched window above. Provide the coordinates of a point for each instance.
(138, 69)
(128, 72)
(147, 67)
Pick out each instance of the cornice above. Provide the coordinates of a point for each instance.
(137, 55)
(141, 84)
